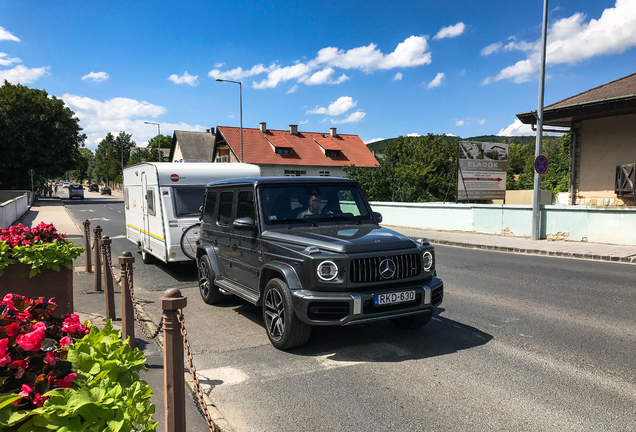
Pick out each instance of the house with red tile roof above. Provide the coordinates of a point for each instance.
(292, 152)
(602, 122)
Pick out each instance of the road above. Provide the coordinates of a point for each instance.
(523, 343)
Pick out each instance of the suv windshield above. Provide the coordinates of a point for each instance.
(188, 200)
(315, 203)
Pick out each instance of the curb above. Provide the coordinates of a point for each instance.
(560, 254)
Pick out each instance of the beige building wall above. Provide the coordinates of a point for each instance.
(177, 153)
(604, 144)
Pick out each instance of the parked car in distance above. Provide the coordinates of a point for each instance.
(66, 185)
(105, 191)
(75, 191)
(310, 252)
(93, 187)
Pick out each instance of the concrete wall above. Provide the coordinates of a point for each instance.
(612, 225)
(603, 144)
(12, 210)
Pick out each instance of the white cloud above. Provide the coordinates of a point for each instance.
(481, 121)
(409, 53)
(292, 89)
(414, 134)
(437, 81)
(96, 76)
(219, 65)
(353, 118)
(492, 48)
(97, 118)
(397, 76)
(450, 135)
(186, 78)
(340, 106)
(303, 122)
(460, 123)
(373, 140)
(517, 129)
(8, 61)
(450, 31)
(238, 73)
(6, 35)
(23, 75)
(572, 40)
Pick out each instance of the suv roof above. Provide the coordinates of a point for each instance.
(281, 180)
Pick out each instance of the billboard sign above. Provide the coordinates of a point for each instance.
(482, 170)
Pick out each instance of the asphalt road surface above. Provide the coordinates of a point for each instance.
(523, 343)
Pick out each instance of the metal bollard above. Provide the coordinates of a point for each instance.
(109, 293)
(174, 382)
(87, 244)
(127, 313)
(98, 264)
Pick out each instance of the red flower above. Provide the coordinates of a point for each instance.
(31, 341)
(50, 359)
(12, 329)
(39, 326)
(26, 390)
(66, 382)
(20, 367)
(4, 356)
(65, 341)
(39, 400)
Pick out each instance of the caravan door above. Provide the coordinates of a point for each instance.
(145, 227)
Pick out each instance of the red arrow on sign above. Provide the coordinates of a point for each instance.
(482, 179)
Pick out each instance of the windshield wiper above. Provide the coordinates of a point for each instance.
(307, 221)
(345, 217)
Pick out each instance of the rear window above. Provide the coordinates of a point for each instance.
(76, 186)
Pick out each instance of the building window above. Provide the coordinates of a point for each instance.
(332, 153)
(324, 173)
(295, 173)
(284, 151)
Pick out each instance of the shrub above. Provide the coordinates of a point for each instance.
(41, 247)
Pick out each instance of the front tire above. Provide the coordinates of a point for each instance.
(284, 329)
(412, 321)
(209, 292)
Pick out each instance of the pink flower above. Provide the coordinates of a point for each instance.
(50, 359)
(26, 390)
(66, 382)
(65, 341)
(8, 300)
(31, 341)
(39, 326)
(20, 367)
(39, 400)
(4, 356)
(12, 329)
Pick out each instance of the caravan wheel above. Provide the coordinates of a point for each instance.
(146, 257)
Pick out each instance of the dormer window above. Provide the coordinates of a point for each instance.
(333, 153)
(283, 151)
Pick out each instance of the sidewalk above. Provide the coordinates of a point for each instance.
(90, 305)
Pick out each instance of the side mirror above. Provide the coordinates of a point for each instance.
(244, 223)
(378, 217)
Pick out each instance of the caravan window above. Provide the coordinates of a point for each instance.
(188, 200)
(150, 200)
(126, 198)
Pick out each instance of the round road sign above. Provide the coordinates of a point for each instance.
(174, 177)
(541, 164)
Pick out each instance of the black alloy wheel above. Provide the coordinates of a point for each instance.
(209, 292)
(284, 329)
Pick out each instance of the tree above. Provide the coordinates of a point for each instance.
(414, 169)
(84, 165)
(123, 146)
(36, 132)
(166, 143)
(106, 159)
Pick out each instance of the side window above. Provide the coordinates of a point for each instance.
(150, 200)
(209, 207)
(246, 205)
(225, 208)
(126, 198)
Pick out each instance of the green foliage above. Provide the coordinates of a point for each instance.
(45, 255)
(37, 131)
(5, 256)
(83, 166)
(107, 394)
(414, 169)
(109, 154)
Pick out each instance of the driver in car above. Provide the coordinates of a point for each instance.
(314, 207)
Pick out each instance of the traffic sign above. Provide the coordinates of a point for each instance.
(541, 164)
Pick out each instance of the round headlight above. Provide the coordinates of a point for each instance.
(427, 261)
(327, 270)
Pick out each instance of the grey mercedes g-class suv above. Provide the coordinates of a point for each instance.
(310, 252)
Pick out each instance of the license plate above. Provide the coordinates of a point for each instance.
(393, 298)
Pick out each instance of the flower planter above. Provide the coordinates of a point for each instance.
(49, 283)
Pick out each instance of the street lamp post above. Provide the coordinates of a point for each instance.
(158, 137)
(240, 107)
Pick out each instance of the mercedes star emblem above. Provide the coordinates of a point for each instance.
(387, 268)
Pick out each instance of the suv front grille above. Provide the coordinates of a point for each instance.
(364, 270)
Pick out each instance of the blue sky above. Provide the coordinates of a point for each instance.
(377, 69)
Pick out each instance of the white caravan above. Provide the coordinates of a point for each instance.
(162, 201)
